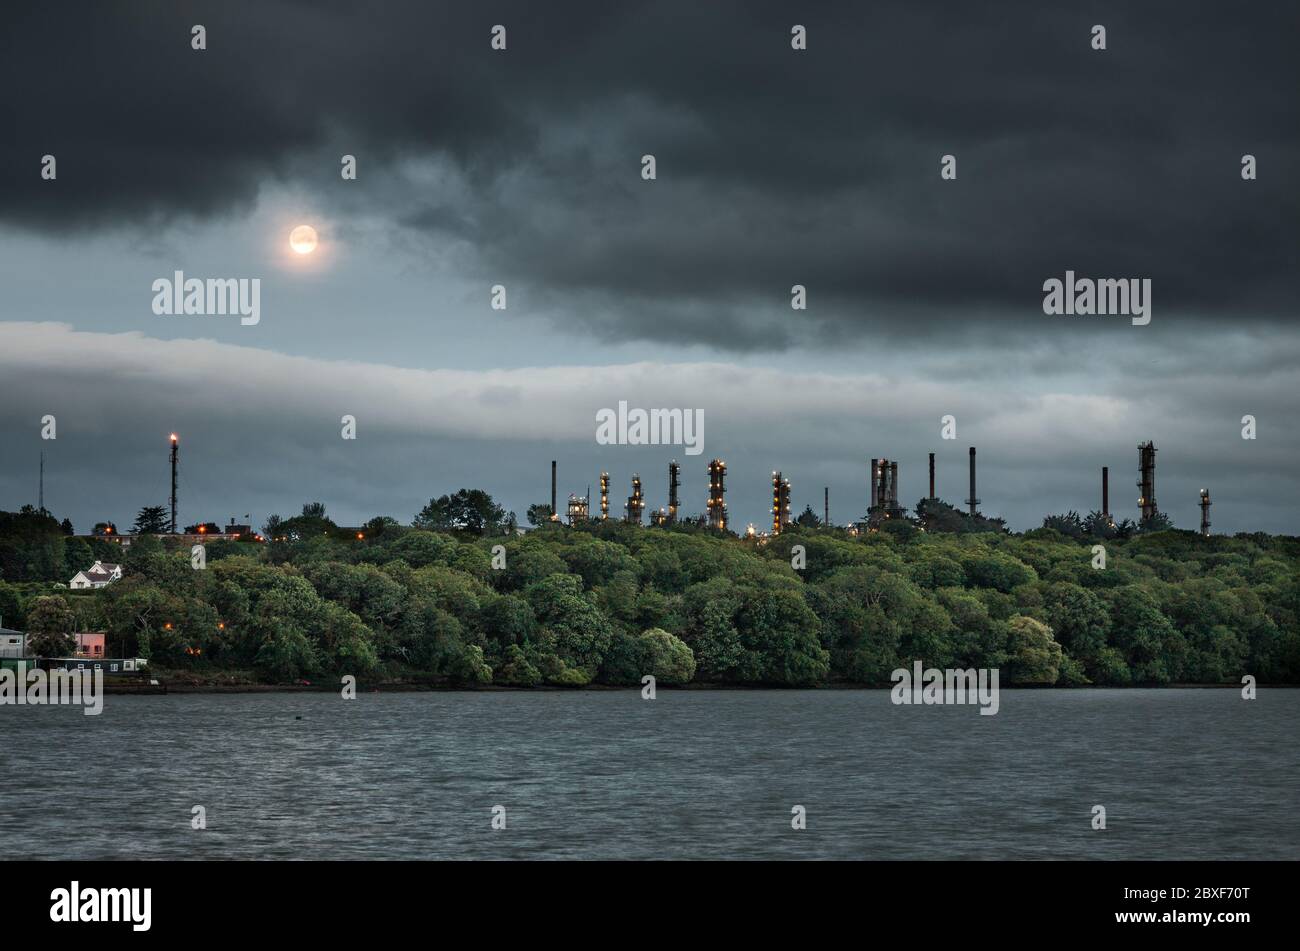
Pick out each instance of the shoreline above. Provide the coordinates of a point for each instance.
(185, 688)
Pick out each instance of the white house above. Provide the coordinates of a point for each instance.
(98, 575)
(12, 643)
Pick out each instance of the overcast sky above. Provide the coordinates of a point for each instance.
(775, 167)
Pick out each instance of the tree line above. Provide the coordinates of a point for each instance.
(609, 602)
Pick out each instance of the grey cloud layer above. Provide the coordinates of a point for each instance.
(775, 167)
(248, 436)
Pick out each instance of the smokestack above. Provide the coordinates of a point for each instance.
(893, 485)
(931, 475)
(972, 501)
(175, 453)
(1105, 492)
(827, 519)
(554, 510)
(673, 482)
(1147, 479)
(875, 478)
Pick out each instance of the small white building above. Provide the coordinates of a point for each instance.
(99, 575)
(12, 643)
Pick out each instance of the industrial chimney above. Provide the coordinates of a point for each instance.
(555, 513)
(1105, 493)
(1147, 480)
(674, 481)
(175, 458)
(931, 475)
(972, 501)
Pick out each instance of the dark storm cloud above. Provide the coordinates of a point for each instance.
(775, 167)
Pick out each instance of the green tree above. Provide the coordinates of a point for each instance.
(509, 620)
(77, 556)
(1158, 522)
(1151, 647)
(539, 514)
(1033, 656)
(1080, 622)
(527, 564)
(468, 510)
(579, 633)
(152, 520)
(1070, 524)
(666, 658)
(381, 525)
(996, 570)
(422, 548)
(516, 670)
(11, 607)
(49, 625)
(808, 518)
(779, 638)
(287, 655)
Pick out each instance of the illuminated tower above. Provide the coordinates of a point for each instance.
(717, 504)
(635, 502)
(578, 509)
(674, 482)
(175, 459)
(604, 496)
(780, 502)
(884, 491)
(1205, 511)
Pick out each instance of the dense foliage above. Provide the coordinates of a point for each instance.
(609, 603)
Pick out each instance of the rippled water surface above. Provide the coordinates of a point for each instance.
(692, 774)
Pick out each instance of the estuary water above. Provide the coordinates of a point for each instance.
(1182, 774)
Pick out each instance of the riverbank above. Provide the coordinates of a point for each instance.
(188, 686)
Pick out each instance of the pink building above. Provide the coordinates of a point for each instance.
(90, 644)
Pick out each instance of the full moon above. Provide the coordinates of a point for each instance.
(303, 239)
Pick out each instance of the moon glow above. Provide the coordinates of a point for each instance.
(303, 239)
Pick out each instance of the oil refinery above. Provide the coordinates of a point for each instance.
(883, 498)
